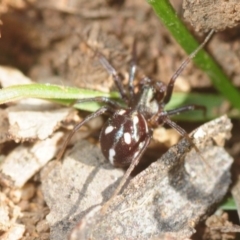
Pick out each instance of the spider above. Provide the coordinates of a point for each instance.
(128, 132)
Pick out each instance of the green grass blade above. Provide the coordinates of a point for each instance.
(66, 96)
(203, 60)
(59, 94)
(228, 204)
(212, 102)
(49, 91)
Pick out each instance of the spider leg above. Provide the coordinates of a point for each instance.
(162, 116)
(172, 124)
(187, 108)
(181, 68)
(105, 100)
(111, 70)
(165, 119)
(78, 126)
(132, 70)
(134, 163)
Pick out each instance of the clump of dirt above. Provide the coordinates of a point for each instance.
(206, 15)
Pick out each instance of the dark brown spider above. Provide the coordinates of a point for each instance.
(127, 133)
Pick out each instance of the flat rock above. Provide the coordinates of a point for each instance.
(71, 189)
(168, 199)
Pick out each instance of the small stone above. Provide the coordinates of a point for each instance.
(28, 191)
(42, 226)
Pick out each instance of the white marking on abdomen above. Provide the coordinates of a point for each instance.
(141, 145)
(112, 153)
(135, 128)
(108, 129)
(135, 119)
(127, 138)
(121, 112)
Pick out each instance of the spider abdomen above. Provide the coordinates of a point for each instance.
(123, 136)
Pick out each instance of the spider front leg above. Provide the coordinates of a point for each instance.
(99, 112)
(181, 68)
(118, 82)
